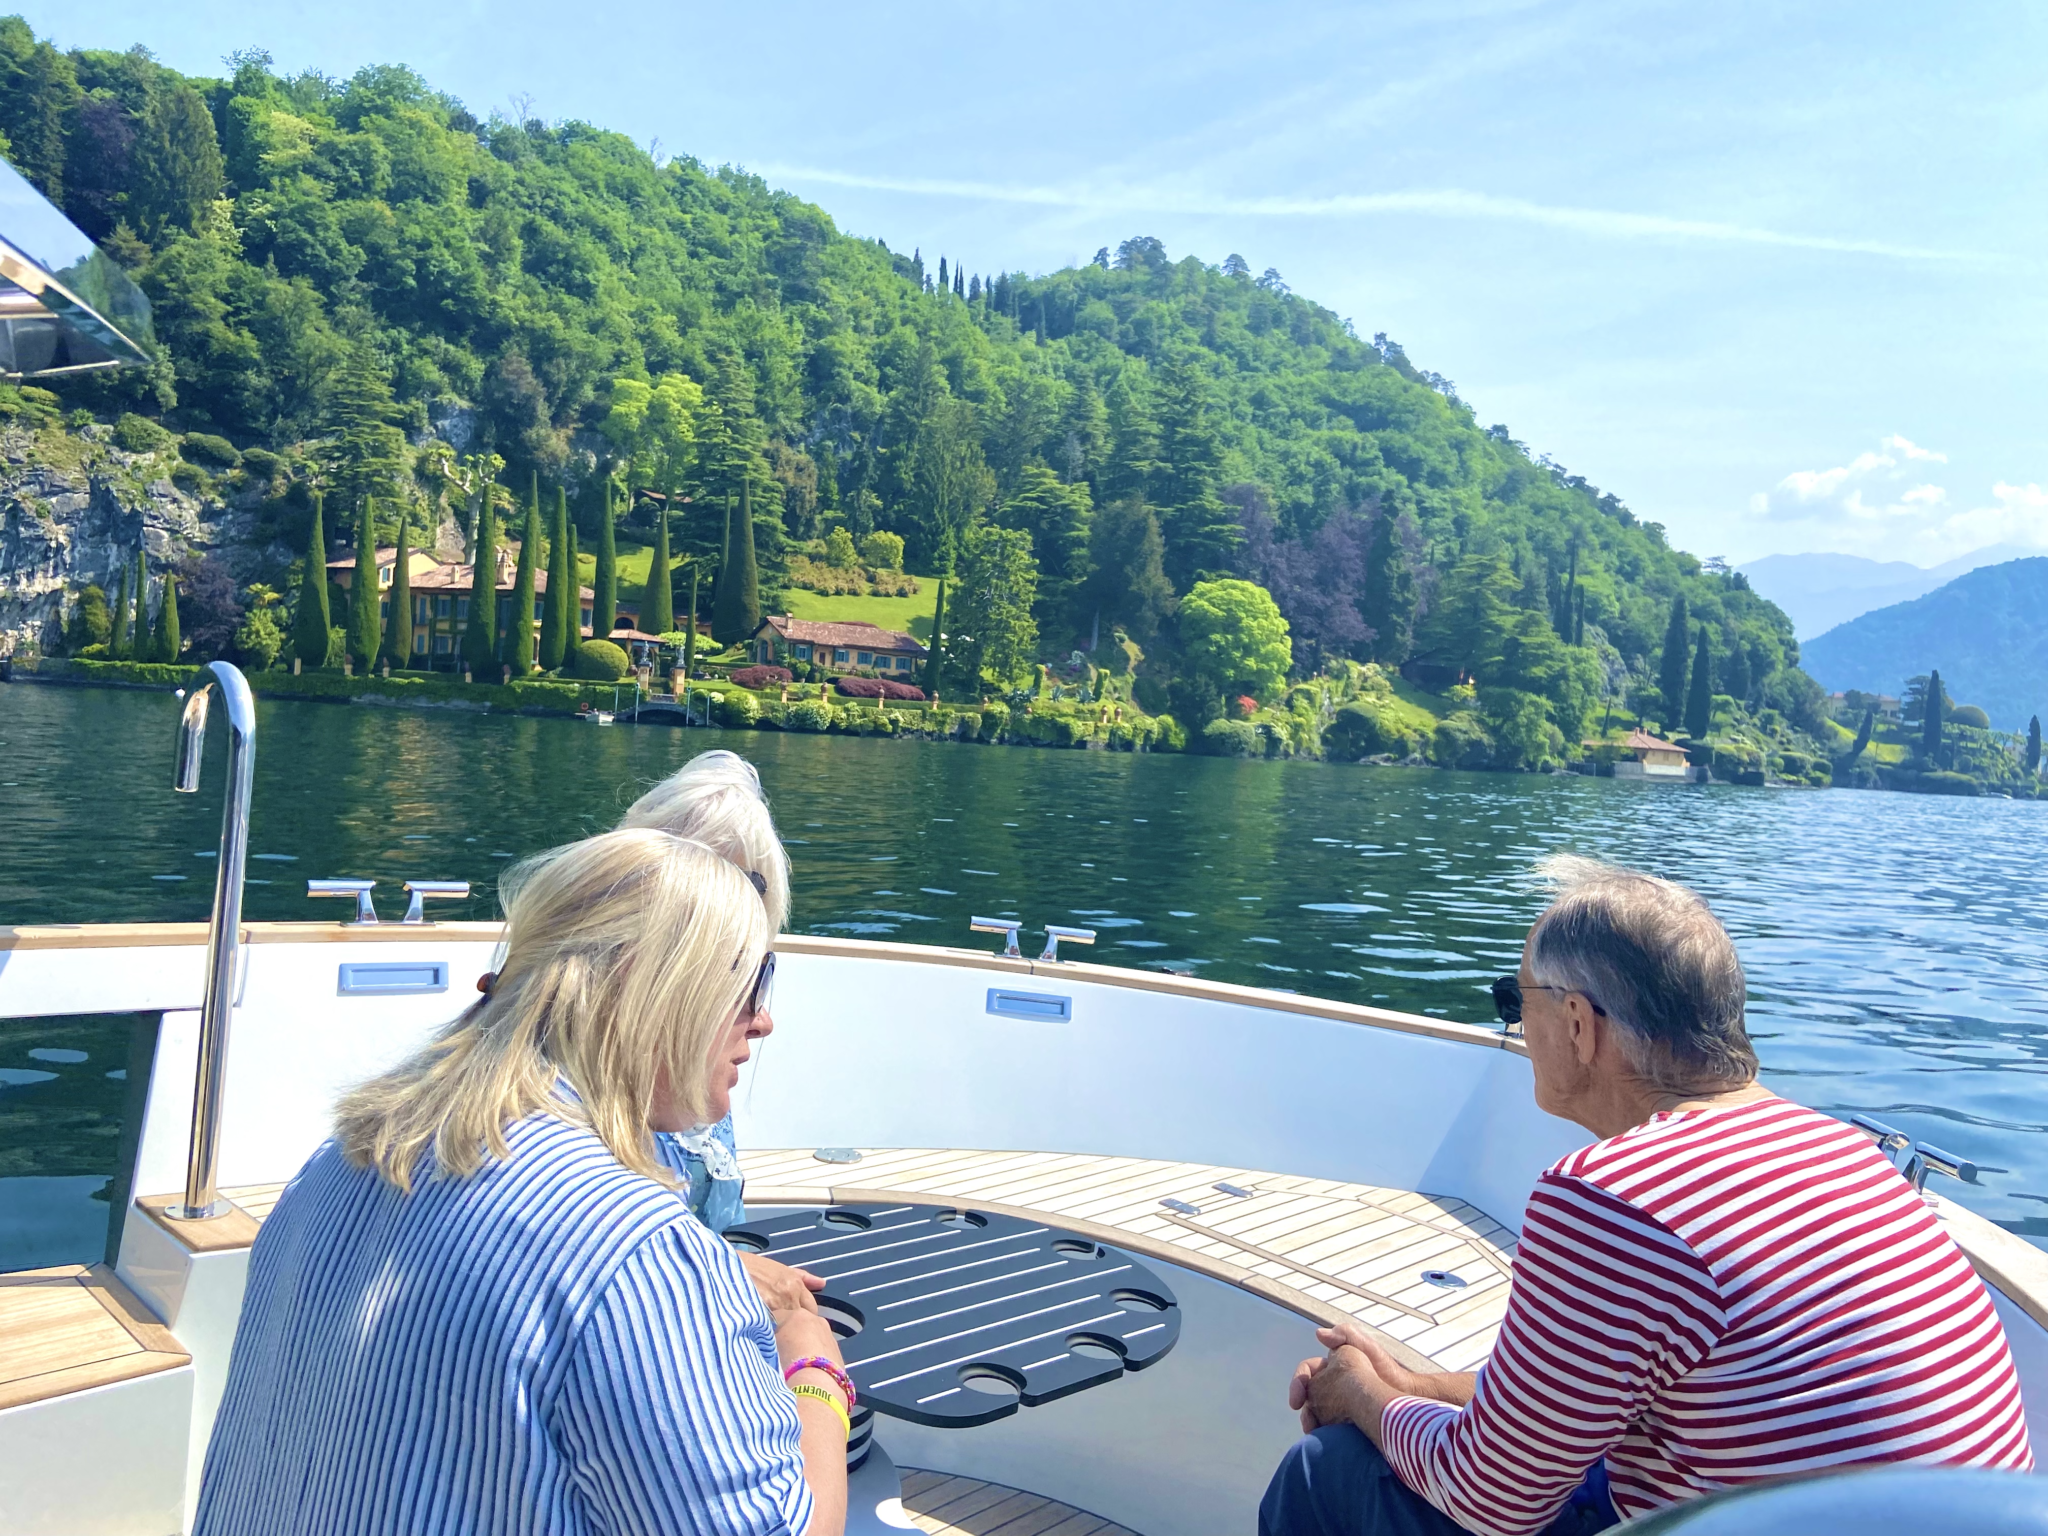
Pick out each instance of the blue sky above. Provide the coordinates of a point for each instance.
(1775, 275)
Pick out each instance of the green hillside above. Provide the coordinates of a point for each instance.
(368, 283)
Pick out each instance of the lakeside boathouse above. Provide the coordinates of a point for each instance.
(838, 647)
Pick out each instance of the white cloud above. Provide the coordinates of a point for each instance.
(1795, 497)
(1444, 202)
(1880, 504)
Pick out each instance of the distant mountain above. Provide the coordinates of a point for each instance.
(1821, 591)
(1987, 631)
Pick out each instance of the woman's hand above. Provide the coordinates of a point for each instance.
(784, 1290)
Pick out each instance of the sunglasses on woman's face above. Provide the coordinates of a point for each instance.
(763, 995)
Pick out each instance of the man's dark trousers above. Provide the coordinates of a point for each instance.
(1335, 1482)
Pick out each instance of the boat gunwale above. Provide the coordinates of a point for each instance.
(193, 935)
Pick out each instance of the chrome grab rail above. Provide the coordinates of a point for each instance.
(423, 891)
(1004, 926)
(224, 934)
(1924, 1159)
(366, 910)
(1054, 933)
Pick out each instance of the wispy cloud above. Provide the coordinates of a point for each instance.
(1442, 203)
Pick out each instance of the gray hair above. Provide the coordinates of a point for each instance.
(1655, 959)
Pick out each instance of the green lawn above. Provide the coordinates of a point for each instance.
(910, 615)
(907, 615)
(1419, 710)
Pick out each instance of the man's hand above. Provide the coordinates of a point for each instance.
(784, 1291)
(1350, 1385)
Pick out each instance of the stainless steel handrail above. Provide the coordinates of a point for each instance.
(224, 936)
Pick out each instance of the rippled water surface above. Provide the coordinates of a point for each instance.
(1894, 944)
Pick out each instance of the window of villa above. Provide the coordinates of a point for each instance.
(585, 621)
(462, 608)
(441, 606)
(801, 652)
(839, 656)
(419, 644)
(443, 644)
(866, 659)
(384, 574)
(420, 607)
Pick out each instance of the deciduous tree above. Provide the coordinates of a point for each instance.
(1233, 637)
(994, 635)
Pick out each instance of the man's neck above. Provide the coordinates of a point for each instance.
(1631, 1107)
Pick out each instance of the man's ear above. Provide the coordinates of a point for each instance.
(1585, 1027)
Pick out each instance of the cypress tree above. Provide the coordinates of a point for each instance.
(1579, 618)
(573, 635)
(1671, 667)
(398, 629)
(737, 613)
(168, 643)
(519, 647)
(363, 619)
(604, 613)
(1862, 735)
(313, 620)
(1389, 598)
(719, 576)
(2034, 745)
(690, 625)
(658, 603)
(117, 642)
(559, 610)
(1735, 679)
(480, 639)
(1699, 704)
(935, 655)
(1932, 708)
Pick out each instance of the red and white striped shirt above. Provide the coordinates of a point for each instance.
(1714, 1298)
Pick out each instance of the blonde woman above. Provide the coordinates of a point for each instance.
(485, 1307)
(716, 799)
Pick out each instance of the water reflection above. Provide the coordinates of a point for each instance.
(1894, 944)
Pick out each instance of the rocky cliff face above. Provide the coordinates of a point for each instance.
(73, 511)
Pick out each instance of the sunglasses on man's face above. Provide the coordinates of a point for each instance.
(1507, 998)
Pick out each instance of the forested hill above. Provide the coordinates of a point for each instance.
(337, 263)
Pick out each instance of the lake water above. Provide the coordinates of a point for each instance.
(1896, 946)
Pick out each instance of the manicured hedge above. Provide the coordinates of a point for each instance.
(762, 677)
(874, 688)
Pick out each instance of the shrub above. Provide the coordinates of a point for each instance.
(1363, 730)
(1970, 714)
(816, 576)
(1943, 783)
(205, 448)
(1461, 741)
(762, 677)
(894, 584)
(1520, 726)
(884, 551)
(995, 719)
(190, 478)
(737, 710)
(878, 688)
(839, 550)
(1232, 738)
(138, 434)
(809, 715)
(262, 462)
(337, 646)
(1168, 734)
(599, 661)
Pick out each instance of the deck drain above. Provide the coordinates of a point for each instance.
(836, 1155)
(1444, 1278)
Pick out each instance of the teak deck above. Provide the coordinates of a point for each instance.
(966, 1506)
(72, 1327)
(1318, 1246)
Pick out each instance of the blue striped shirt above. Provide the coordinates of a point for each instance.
(553, 1344)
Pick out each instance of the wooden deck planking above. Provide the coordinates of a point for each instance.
(1323, 1238)
(72, 1327)
(940, 1505)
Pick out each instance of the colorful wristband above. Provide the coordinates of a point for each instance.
(806, 1389)
(820, 1363)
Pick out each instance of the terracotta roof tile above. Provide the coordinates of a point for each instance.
(868, 637)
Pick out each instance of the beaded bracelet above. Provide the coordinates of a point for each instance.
(819, 1363)
(805, 1389)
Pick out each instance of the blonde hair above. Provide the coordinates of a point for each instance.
(716, 799)
(624, 957)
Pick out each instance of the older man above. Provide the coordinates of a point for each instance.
(1724, 1288)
